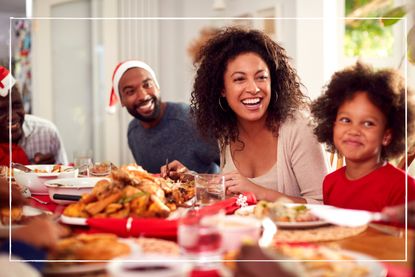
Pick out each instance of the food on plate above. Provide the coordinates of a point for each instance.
(279, 211)
(16, 214)
(158, 246)
(320, 264)
(132, 191)
(90, 247)
(20, 215)
(101, 169)
(55, 169)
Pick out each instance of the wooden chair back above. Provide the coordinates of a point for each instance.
(411, 157)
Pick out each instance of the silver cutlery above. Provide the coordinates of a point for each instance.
(21, 167)
(38, 200)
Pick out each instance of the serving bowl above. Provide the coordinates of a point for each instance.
(68, 190)
(36, 179)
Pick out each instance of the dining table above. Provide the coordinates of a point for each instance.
(391, 246)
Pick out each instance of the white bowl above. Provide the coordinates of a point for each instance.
(36, 181)
(70, 188)
(237, 229)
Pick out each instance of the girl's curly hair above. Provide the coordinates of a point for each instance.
(385, 89)
(214, 56)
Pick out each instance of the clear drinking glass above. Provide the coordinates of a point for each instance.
(199, 237)
(210, 188)
(83, 161)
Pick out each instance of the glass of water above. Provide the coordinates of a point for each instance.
(210, 188)
(199, 237)
(83, 161)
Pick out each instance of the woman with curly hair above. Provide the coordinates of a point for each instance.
(248, 97)
(361, 115)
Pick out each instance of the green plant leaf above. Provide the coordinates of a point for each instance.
(394, 15)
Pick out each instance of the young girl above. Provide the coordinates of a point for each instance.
(361, 115)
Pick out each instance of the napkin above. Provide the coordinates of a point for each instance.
(126, 227)
(230, 205)
(205, 273)
(395, 270)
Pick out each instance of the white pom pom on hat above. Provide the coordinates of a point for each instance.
(119, 71)
(6, 81)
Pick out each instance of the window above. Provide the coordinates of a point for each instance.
(367, 37)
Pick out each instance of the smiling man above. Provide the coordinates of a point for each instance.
(160, 130)
(34, 140)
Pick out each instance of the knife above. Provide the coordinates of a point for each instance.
(346, 217)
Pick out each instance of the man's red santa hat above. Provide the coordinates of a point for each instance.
(6, 81)
(119, 72)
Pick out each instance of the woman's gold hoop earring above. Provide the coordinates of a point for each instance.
(220, 105)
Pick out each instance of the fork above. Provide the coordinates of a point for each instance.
(167, 168)
(38, 200)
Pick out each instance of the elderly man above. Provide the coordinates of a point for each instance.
(34, 140)
(160, 130)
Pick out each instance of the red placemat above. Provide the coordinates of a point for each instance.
(395, 270)
(50, 206)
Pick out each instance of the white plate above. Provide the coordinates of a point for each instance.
(48, 168)
(73, 220)
(249, 210)
(27, 211)
(74, 183)
(36, 181)
(71, 186)
(375, 268)
(75, 268)
(83, 267)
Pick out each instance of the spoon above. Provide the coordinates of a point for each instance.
(26, 193)
(38, 200)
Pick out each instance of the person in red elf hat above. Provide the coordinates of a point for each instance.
(160, 130)
(6, 83)
(30, 138)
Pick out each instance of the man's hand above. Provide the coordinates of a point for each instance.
(46, 239)
(173, 170)
(47, 158)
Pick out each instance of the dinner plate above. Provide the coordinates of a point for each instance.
(373, 266)
(80, 267)
(376, 269)
(73, 220)
(70, 267)
(48, 169)
(249, 211)
(27, 211)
